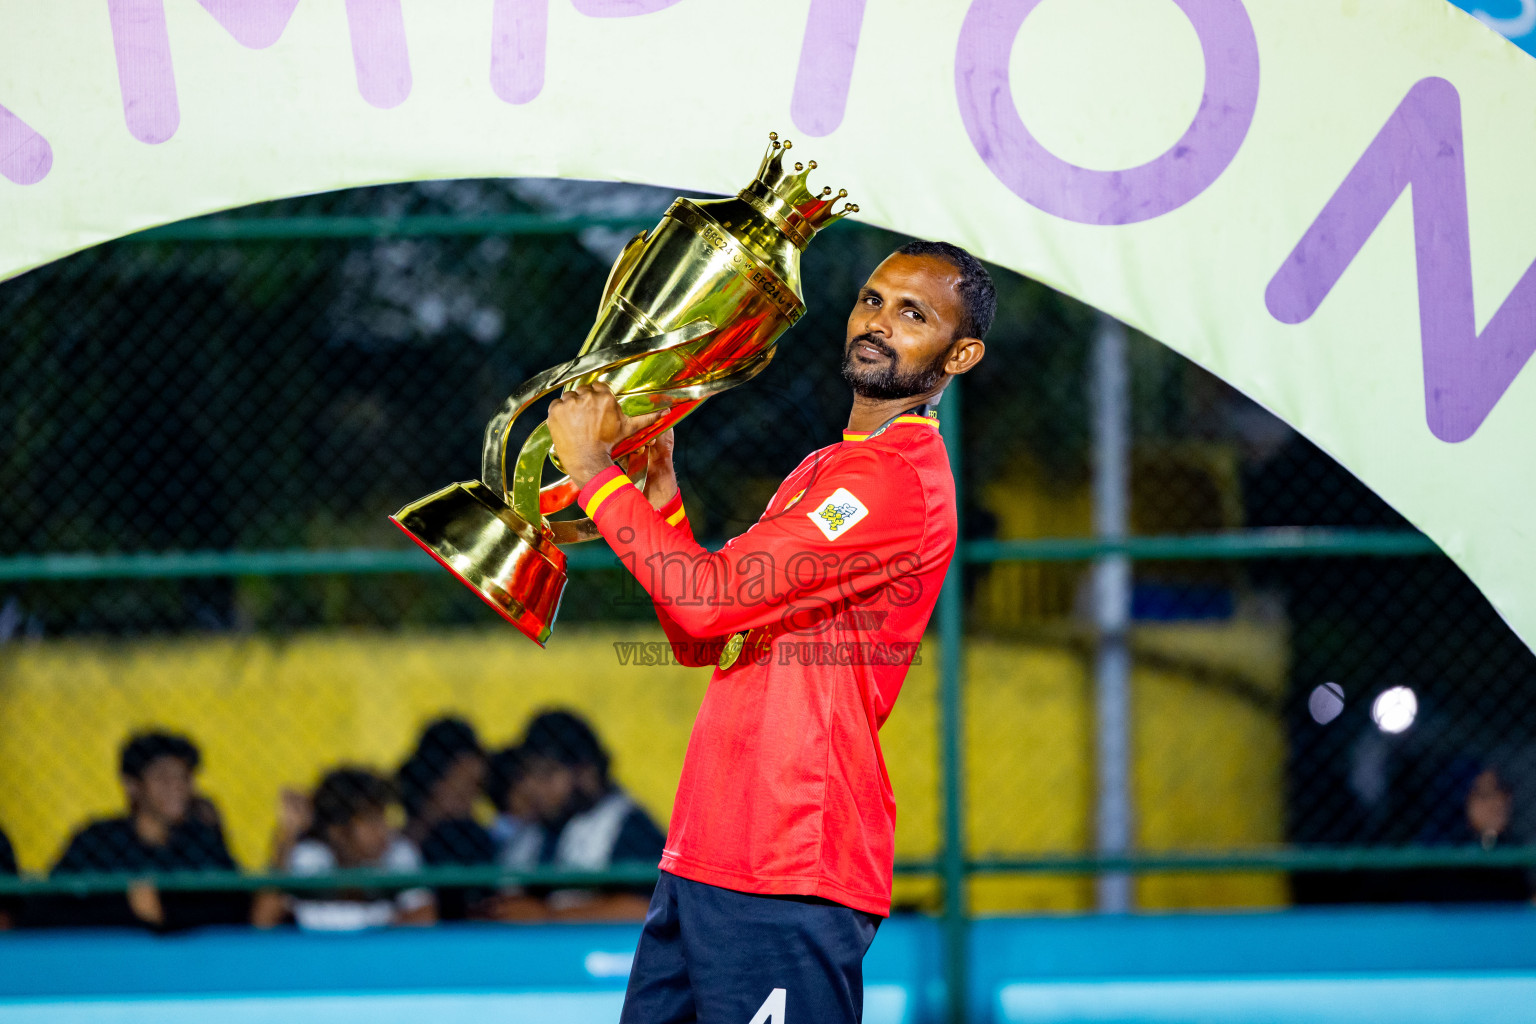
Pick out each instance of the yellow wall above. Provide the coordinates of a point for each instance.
(1175, 488)
(270, 713)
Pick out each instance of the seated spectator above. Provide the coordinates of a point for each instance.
(167, 828)
(599, 824)
(438, 785)
(589, 823)
(516, 832)
(1476, 809)
(346, 825)
(8, 904)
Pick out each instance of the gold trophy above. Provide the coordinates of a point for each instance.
(692, 307)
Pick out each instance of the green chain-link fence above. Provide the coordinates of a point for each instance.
(208, 424)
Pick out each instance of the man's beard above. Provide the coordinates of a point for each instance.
(890, 380)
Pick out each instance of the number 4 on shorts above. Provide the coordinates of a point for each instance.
(772, 1010)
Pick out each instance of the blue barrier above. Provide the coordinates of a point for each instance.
(1407, 966)
(1400, 965)
(449, 974)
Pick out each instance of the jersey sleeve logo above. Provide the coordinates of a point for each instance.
(838, 514)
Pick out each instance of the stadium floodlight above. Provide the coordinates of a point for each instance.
(1395, 709)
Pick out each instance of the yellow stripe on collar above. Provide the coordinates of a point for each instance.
(913, 418)
(932, 421)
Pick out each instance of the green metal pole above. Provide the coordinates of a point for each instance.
(951, 678)
(1285, 542)
(172, 565)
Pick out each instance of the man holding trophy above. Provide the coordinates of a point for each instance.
(777, 867)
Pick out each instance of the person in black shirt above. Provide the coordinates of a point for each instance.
(167, 828)
(439, 784)
(1474, 810)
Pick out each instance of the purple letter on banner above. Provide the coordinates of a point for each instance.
(1465, 373)
(378, 51)
(144, 69)
(620, 8)
(255, 24)
(1076, 193)
(826, 65)
(143, 46)
(519, 34)
(519, 30)
(148, 83)
(25, 156)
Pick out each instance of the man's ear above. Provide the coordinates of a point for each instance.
(133, 787)
(964, 353)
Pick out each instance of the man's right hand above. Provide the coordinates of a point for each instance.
(586, 423)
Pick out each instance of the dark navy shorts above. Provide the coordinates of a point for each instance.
(719, 956)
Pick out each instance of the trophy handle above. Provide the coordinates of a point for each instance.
(560, 493)
(493, 452)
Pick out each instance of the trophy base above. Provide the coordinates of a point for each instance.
(514, 566)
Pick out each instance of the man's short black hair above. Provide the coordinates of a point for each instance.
(566, 738)
(146, 747)
(978, 295)
(346, 793)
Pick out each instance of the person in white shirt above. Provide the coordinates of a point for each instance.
(345, 825)
(581, 821)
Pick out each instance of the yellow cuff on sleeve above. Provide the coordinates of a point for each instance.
(604, 491)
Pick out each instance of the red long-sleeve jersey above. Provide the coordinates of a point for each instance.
(822, 604)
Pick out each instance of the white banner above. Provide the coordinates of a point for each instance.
(1323, 201)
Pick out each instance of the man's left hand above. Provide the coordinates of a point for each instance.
(585, 425)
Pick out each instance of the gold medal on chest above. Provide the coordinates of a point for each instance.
(732, 650)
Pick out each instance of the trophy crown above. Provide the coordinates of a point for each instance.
(797, 210)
